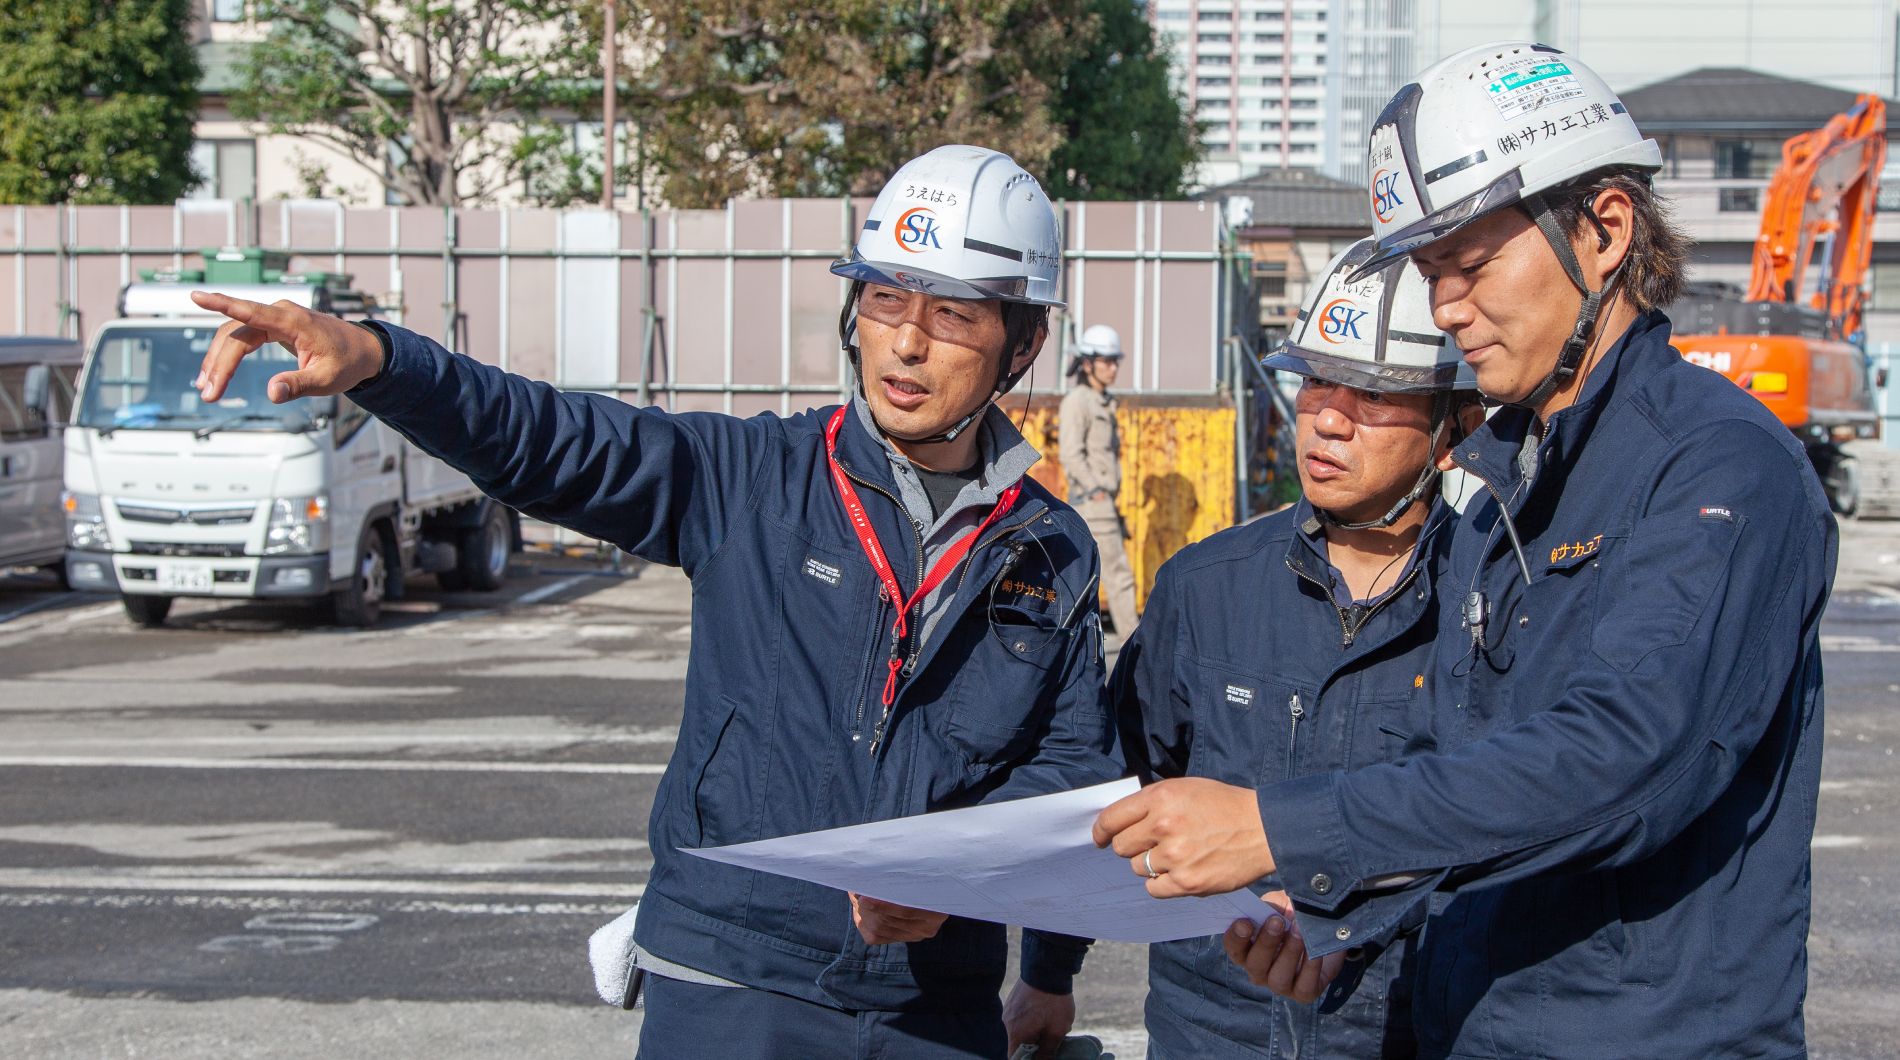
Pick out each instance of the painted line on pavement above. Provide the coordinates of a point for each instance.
(343, 765)
(535, 596)
(263, 904)
(1831, 841)
(61, 880)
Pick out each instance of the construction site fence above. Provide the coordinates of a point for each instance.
(730, 310)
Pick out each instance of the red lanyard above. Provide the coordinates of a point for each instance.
(867, 537)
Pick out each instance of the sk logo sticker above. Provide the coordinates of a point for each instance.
(917, 230)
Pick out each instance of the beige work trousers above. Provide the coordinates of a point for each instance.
(1118, 578)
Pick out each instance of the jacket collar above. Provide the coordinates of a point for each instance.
(1493, 451)
(1306, 552)
(1004, 455)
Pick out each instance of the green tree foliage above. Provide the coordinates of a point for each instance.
(1127, 132)
(97, 101)
(825, 97)
(444, 99)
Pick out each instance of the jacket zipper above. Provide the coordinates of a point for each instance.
(897, 645)
(1297, 710)
(1349, 629)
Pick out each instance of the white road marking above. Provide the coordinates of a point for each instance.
(81, 880)
(43, 602)
(535, 596)
(330, 764)
(1885, 592)
(1847, 642)
(1830, 841)
(261, 903)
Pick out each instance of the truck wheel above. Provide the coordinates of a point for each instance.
(360, 603)
(147, 611)
(482, 559)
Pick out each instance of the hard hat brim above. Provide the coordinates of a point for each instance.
(1507, 190)
(1384, 378)
(891, 274)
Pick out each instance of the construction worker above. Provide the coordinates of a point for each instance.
(1092, 462)
(1316, 665)
(889, 616)
(1624, 706)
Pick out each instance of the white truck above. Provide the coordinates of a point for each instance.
(167, 495)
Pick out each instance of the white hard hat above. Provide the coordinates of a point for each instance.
(1099, 340)
(1487, 128)
(961, 222)
(1373, 333)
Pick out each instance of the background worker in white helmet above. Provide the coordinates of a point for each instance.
(889, 616)
(1092, 462)
(1625, 700)
(1292, 646)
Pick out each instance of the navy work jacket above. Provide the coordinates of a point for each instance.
(1246, 670)
(791, 635)
(1626, 763)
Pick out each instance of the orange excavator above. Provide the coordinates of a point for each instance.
(1794, 339)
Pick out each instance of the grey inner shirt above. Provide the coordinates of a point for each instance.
(943, 486)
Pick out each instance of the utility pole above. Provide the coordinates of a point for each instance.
(610, 62)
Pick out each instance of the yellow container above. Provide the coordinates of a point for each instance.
(1177, 476)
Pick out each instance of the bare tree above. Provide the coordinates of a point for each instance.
(446, 101)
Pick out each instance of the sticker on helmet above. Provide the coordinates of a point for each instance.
(1339, 321)
(919, 230)
(928, 193)
(1394, 198)
(1532, 82)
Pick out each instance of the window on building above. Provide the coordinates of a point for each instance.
(1883, 279)
(1268, 38)
(227, 10)
(1214, 60)
(227, 169)
(1215, 16)
(1305, 82)
(1266, 16)
(1887, 198)
(1210, 82)
(1214, 38)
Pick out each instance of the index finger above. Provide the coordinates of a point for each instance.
(1119, 816)
(241, 309)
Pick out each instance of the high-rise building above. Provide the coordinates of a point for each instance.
(1287, 83)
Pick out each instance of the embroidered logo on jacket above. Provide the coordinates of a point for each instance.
(1576, 549)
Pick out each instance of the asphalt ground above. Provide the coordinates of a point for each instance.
(251, 834)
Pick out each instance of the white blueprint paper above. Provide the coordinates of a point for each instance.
(1030, 862)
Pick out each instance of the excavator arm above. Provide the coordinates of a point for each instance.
(1822, 199)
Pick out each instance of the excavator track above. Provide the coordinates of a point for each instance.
(1879, 469)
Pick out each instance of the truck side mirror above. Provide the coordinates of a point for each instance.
(39, 387)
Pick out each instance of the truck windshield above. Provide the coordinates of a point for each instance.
(140, 379)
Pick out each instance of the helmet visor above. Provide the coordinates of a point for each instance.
(1504, 191)
(1002, 288)
(1363, 375)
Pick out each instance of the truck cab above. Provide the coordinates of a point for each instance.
(168, 495)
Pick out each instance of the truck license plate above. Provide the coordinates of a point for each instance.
(185, 577)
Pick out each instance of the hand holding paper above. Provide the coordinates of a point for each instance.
(1032, 862)
(1198, 836)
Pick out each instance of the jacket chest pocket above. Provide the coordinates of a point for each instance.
(1002, 691)
(1247, 727)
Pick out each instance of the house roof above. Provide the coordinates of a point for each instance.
(1298, 198)
(1732, 99)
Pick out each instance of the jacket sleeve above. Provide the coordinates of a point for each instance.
(1078, 748)
(663, 487)
(1704, 622)
(1072, 430)
(1156, 722)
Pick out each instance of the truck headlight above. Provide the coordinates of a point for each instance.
(298, 524)
(85, 522)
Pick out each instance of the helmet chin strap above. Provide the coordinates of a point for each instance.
(1570, 358)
